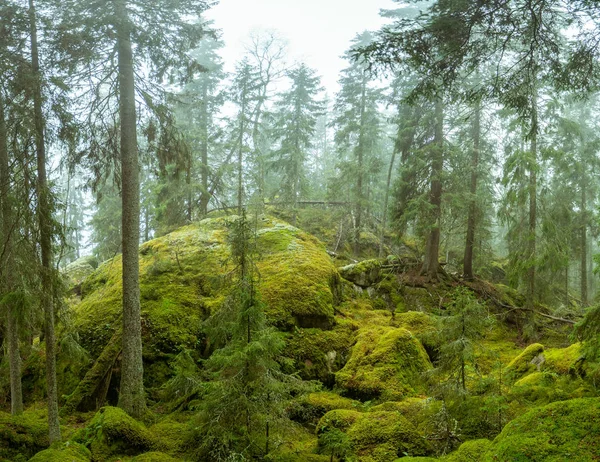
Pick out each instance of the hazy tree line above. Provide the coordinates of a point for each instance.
(466, 130)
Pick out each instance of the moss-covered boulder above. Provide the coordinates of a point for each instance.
(154, 457)
(386, 362)
(364, 274)
(469, 451)
(530, 360)
(561, 431)
(67, 452)
(183, 280)
(379, 436)
(318, 354)
(21, 437)
(311, 407)
(113, 432)
(77, 271)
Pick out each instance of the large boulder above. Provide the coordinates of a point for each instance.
(379, 436)
(386, 362)
(185, 277)
(565, 430)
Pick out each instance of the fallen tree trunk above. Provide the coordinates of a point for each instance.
(91, 391)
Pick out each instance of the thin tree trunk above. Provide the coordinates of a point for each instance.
(531, 241)
(584, 275)
(6, 271)
(431, 264)
(471, 220)
(567, 285)
(360, 160)
(45, 223)
(240, 198)
(387, 195)
(131, 397)
(205, 196)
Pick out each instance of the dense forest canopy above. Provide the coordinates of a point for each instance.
(213, 260)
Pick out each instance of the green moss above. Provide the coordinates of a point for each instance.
(418, 411)
(169, 435)
(311, 407)
(422, 325)
(522, 364)
(154, 457)
(67, 452)
(564, 360)
(378, 436)
(469, 451)
(318, 354)
(561, 431)
(364, 274)
(184, 279)
(385, 362)
(23, 436)
(112, 432)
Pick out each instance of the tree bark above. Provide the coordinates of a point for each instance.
(45, 223)
(584, 265)
(431, 264)
(471, 220)
(531, 239)
(240, 198)
(6, 271)
(387, 195)
(205, 196)
(131, 397)
(360, 153)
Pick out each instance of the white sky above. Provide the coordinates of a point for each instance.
(318, 31)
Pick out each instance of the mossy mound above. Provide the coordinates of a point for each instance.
(364, 274)
(386, 363)
(318, 354)
(21, 437)
(112, 432)
(154, 457)
(183, 280)
(561, 431)
(422, 325)
(313, 406)
(380, 436)
(469, 451)
(418, 411)
(67, 452)
(77, 271)
(170, 436)
(528, 361)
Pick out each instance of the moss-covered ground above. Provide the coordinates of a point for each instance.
(369, 336)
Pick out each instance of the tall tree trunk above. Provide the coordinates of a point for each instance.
(131, 397)
(240, 198)
(431, 264)
(471, 220)
(584, 246)
(6, 271)
(205, 196)
(45, 223)
(531, 239)
(386, 199)
(360, 153)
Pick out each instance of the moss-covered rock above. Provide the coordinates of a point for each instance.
(21, 437)
(386, 363)
(561, 431)
(66, 452)
(379, 436)
(112, 432)
(77, 271)
(311, 407)
(183, 280)
(418, 411)
(364, 274)
(469, 451)
(529, 360)
(318, 354)
(154, 457)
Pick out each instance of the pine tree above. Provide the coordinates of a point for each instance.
(296, 114)
(358, 128)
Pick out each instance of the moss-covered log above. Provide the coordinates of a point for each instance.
(91, 392)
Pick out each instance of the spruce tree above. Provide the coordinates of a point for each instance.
(245, 402)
